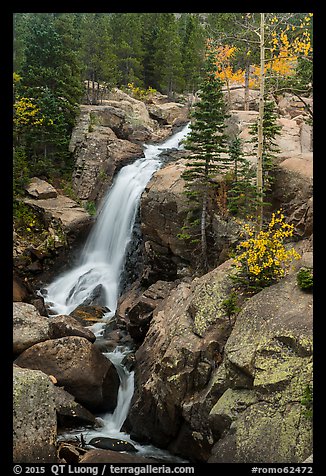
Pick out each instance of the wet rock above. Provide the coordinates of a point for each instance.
(112, 444)
(89, 314)
(70, 453)
(79, 367)
(34, 417)
(96, 297)
(29, 327)
(108, 456)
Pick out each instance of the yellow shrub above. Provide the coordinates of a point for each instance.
(262, 258)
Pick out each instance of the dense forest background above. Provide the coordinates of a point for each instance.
(55, 53)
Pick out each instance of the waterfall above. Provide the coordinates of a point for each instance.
(102, 259)
(101, 263)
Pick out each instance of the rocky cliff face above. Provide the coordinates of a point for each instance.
(110, 135)
(216, 390)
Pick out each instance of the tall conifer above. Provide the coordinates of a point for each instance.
(206, 142)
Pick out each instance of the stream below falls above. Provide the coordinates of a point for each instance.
(101, 263)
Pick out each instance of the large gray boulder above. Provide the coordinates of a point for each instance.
(210, 388)
(34, 417)
(29, 327)
(170, 113)
(79, 367)
(267, 366)
(174, 365)
(72, 217)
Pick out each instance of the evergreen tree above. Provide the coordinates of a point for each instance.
(149, 35)
(167, 59)
(50, 59)
(127, 45)
(192, 36)
(96, 49)
(206, 142)
(21, 22)
(241, 197)
(49, 85)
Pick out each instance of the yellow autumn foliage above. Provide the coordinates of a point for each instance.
(262, 257)
(27, 113)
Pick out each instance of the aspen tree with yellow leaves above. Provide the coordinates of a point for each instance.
(279, 40)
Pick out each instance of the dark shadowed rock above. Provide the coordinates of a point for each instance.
(20, 291)
(70, 453)
(69, 412)
(96, 297)
(137, 308)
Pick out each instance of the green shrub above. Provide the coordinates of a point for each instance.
(307, 401)
(90, 207)
(305, 278)
(229, 305)
(26, 219)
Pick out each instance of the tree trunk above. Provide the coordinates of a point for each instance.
(260, 124)
(203, 232)
(246, 91)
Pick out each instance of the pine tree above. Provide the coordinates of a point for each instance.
(167, 61)
(192, 36)
(241, 197)
(206, 142)
(50, 80)
(127, 46)
(96, 48)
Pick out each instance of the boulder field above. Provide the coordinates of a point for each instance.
(210, 387)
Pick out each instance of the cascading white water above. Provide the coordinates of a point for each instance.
(102, 259)
(101, 263)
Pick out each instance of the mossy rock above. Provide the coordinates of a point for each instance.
(34, 417)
